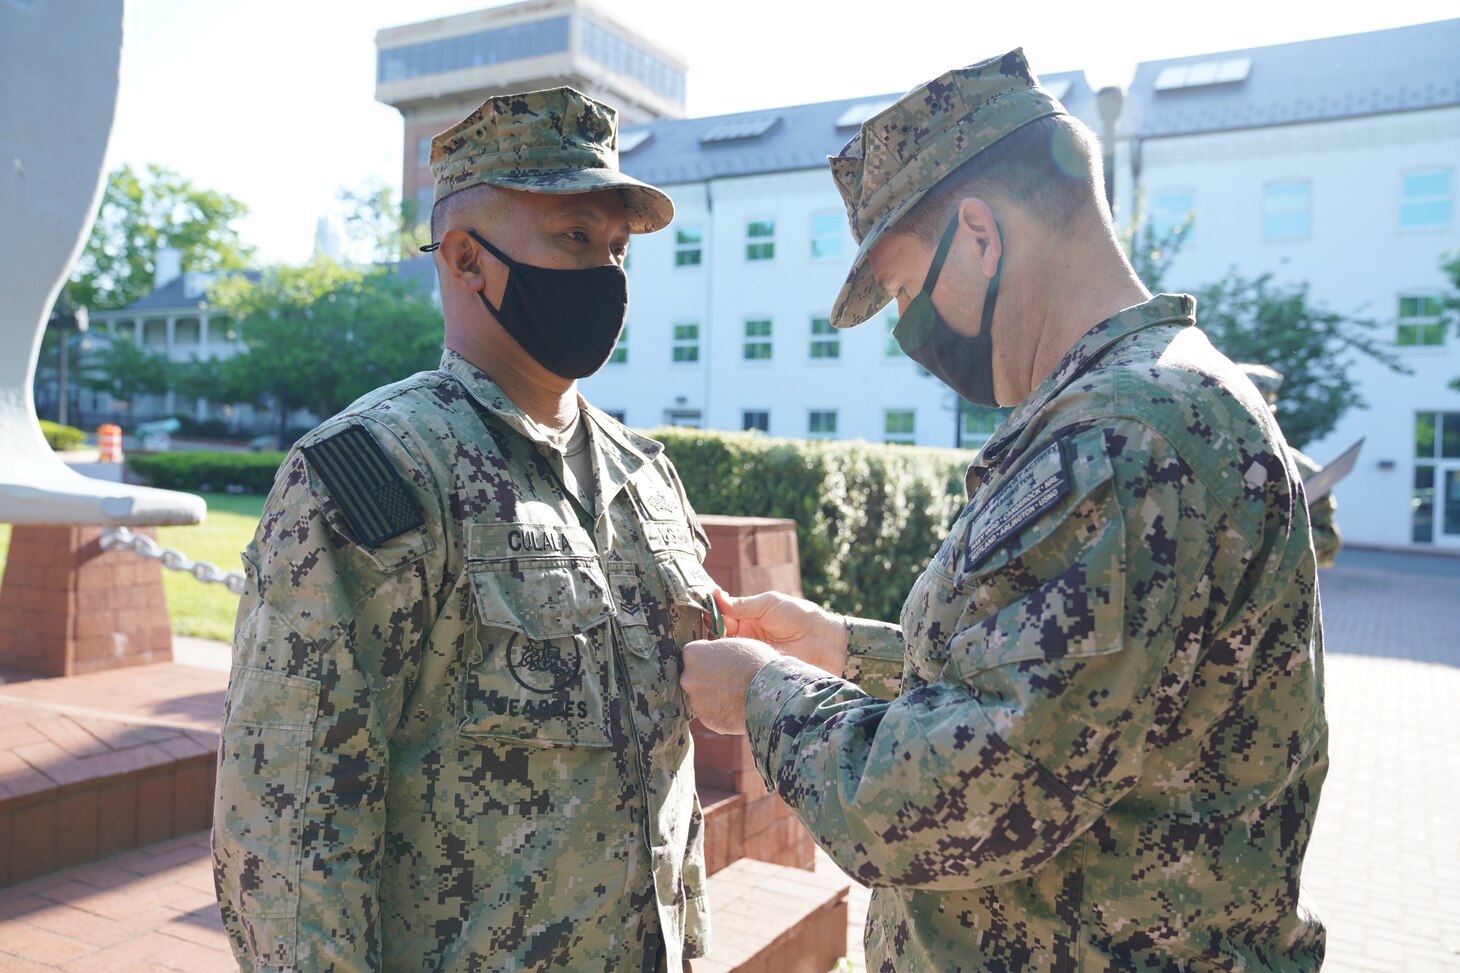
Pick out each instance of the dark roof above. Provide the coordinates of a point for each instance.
(1401, 69)
(779, 139)
(173, 295)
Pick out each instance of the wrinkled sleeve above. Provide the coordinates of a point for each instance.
(326, 646)
(875, 655)
(1068, 652)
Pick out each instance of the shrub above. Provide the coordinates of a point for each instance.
(206, 471)
(62, 437)
(868, 517)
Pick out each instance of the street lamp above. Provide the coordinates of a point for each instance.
(1108, 102)
(65, 319)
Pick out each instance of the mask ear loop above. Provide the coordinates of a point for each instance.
(505, 260)
(936, 268)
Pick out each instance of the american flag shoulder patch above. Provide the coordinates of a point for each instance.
(364, 485)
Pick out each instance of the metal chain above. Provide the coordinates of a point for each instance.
(122, 539)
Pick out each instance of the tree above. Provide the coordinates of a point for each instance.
(1151, 252)
(380, 225)
(1279, 325)
(320, 335)
(142, 214)
(1450, 264)
(124, 371)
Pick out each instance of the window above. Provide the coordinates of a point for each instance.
(826, 236)
(682, 417)
(688, 245)
(1425, 199)
(760, 240)
(821, 422)
(1420, 324)
(979, 422)
(891, 349)
(825, 342)
(425, 202)
(620, 354)
(1287, 210)
(509, 43)
(1437, 462)
(757, 340)
(686, 343)
(755, 419)
(899, 426)
(622, 56)
(423, 151)
(1171, 211)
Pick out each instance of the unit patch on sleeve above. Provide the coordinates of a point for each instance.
(1039, 485)
(365, 486)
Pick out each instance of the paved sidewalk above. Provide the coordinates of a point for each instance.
(1383, 871)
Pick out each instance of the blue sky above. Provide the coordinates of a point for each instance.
(272, 101)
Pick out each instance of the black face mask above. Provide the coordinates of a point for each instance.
(567, 320)
(965, 364)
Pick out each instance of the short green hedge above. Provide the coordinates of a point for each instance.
(220, 472)
(868, 516)
(62, 437)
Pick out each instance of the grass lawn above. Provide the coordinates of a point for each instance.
(207, 610)
(204, 610)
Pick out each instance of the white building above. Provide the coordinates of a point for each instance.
(1331, 162)
(729, 306)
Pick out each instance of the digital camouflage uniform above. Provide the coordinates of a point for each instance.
(465, 748)
(454, 737)
(1097, 740)
(1327, 541)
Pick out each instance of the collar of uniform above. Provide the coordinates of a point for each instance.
(640, 449)
(489, 395)
(1177, 309)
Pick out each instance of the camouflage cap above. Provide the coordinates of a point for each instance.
(557, 140)
(903, 151)
(1267, 379)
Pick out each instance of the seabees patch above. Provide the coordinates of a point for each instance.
(1038, 485)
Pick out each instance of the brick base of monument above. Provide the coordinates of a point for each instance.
(67, 607)
(749, 555)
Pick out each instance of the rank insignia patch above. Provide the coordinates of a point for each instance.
(364, 485)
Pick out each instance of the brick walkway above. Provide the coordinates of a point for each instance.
(1383, 871)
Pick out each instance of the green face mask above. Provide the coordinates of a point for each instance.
(965, 364)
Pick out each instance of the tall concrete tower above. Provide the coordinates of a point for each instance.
(436, 71)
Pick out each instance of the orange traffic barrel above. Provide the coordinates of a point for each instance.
(109, 441)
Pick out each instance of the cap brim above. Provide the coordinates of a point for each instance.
(861, 296)
(648, 208)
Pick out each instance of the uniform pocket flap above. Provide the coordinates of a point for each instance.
(263, 697)
(546, 599)
(688, 582)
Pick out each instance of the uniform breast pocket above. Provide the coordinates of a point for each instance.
(540, 664)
